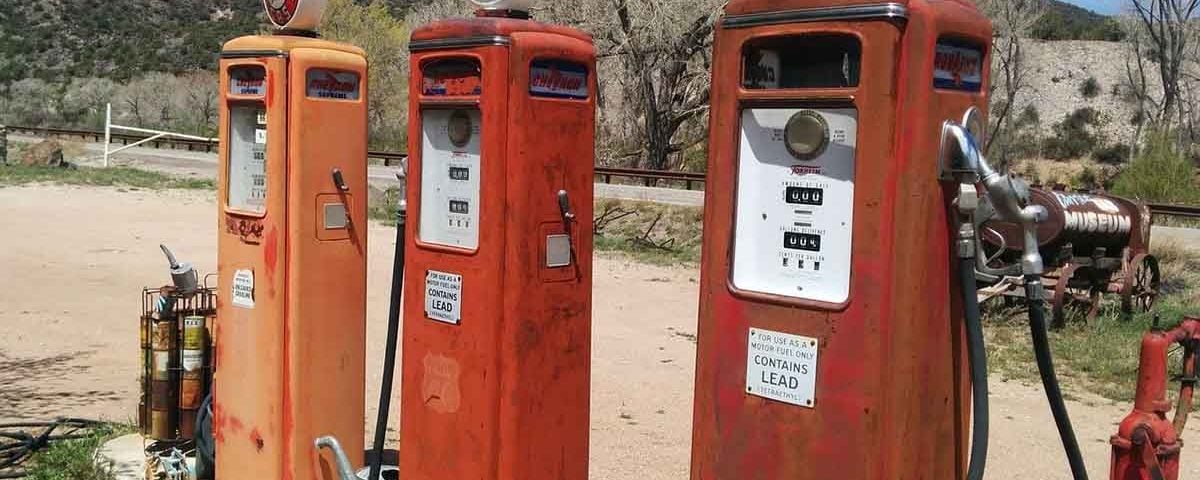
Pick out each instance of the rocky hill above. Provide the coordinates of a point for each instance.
(116, 39)
(1057, 73)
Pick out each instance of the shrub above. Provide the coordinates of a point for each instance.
(1160, 172)
(1090, 88)
(1073, 137)
(1112, 154)
(1029, 116)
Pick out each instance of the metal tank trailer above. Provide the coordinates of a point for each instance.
(1092, 243)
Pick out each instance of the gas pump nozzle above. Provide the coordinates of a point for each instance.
(961, 160)
(1009, 196)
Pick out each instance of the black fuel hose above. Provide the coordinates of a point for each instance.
(977, 357)
(389, 351)
(1045, 363)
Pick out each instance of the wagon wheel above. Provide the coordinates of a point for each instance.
(1058, 308)
(1141, 282)
(1094, 301)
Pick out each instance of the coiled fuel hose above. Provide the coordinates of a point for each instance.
(977, 356)
(1045, 362)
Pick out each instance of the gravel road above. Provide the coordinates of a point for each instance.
(76, 259)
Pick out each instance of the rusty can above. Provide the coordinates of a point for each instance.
(161, 388)
(145, 354)
(191, 384)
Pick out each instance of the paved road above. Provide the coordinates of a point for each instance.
(204, 165)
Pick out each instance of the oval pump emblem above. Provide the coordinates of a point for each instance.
(295, 14)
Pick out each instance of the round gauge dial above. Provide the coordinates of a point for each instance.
(806, 135)
(458, 128)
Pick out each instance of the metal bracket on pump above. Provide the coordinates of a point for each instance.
(960, 160)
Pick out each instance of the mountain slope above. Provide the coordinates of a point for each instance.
(118, 39)
(1063, 21)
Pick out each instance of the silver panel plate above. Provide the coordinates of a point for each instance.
(558, 251)
(335, 216)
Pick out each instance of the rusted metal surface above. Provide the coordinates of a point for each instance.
(882, 411)
(504, 393)
(292, 333)
(1092, 243)
(1147, 445)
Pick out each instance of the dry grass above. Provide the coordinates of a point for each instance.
(1102, 356)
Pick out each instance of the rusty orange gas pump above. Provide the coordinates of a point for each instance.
(831, 333)
(497, 303)
(291, 249)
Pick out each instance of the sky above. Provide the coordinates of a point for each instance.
(1106, 7)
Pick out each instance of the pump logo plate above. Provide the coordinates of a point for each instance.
(443, 296)
(782, 366)
(957, 68)
(558, 79)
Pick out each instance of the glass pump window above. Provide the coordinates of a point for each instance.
(806, 61)
(248, 158)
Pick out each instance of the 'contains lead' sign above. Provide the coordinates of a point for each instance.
(782, 366)
(443, 296)
(957, 67)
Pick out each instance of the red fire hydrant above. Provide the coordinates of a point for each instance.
(1146, 446)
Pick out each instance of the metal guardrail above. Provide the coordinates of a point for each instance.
(605, 174)
(1186, 211)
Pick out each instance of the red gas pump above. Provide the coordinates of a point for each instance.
(829, 324)
(1147, 445)
(497, 314)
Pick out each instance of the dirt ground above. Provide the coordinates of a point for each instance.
(74, 259)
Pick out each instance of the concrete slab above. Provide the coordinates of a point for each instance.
(124, 456)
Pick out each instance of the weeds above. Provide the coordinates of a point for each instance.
(649, 232)
(1102, 356)
(12, 175)
(75, 459)
(1160, 173)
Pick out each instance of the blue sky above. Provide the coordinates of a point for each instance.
(1107, 7)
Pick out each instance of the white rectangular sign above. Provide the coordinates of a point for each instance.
(449, 210)
(443, 296)
(782, 366)
(795, 216)
(243, 288)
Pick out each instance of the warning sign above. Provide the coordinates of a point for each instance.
(782, 367)
(443, 296)
(243, 288)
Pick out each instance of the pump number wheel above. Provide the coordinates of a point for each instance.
(1141, 282)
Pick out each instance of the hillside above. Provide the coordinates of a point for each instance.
(117, 39)
(1063, 21)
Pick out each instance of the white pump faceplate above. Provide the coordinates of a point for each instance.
(450, 177)
(794, 217)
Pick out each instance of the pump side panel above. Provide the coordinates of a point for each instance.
(326, 331)
(741, 436)
(450, 398)
(889, 393)
(545, 342)
(250, 380)
(924, 230)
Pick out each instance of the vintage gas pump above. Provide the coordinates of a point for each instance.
(497, 334)
(291, 249)
(831, 334)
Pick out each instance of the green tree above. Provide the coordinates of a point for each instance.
(1160, 172)
(385, 39)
